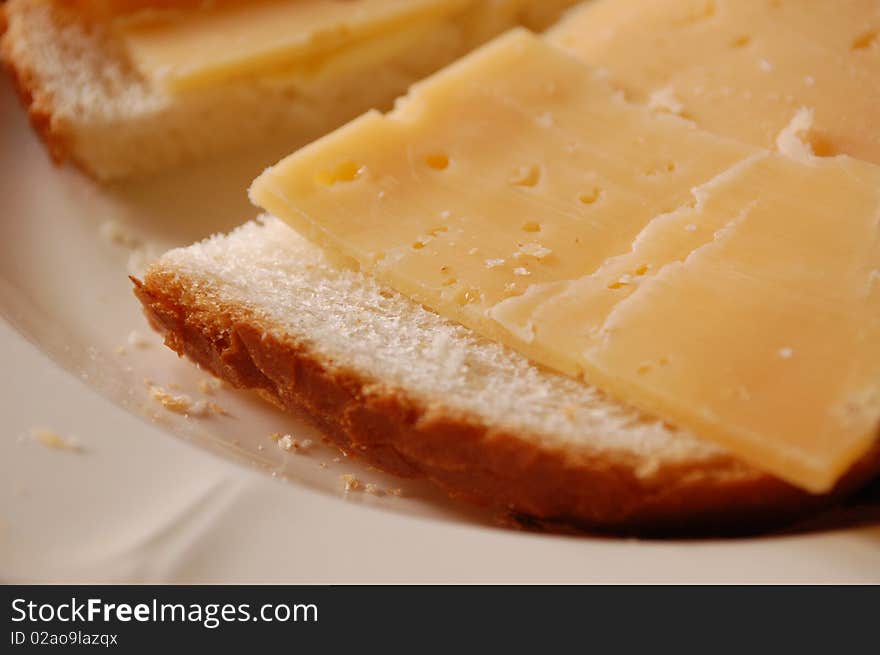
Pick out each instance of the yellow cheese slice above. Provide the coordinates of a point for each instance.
(768, 337)
(550, 188)
(189, 49)
(730, 290)
(753, 316)
(743, 68)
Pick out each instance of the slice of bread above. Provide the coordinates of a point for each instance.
(92, 107)
(416, 395)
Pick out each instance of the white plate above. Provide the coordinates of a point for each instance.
(185, 499)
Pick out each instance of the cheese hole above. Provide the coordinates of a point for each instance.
(531, 226)
(641, 270)
(703, 12)
(527, 176)
(864, 41)
(418, 245)
(741, 41)
(466, 296)
(438, 161)
(668, 167)
(646, 367)
(591, 196)
(347, 171)
(821, 146)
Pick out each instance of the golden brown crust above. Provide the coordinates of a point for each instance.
(37, 102)
(465, 456)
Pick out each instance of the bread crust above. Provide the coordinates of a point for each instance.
(37, 101)
(399, 434)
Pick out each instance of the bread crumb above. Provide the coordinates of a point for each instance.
(214, 408)
(372, 489)
(137, 340)
(351, 482)
(765, 66)
(53, 440)
(786, 353)
(323, 465)
(336, 460)
(397, 491)
(208, 386)
(809, 80)
(289, 444)
(493, 263)
(521, 271)
(183, 404)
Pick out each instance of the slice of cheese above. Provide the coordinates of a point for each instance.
(753, 316)
(743, 68)
(550, 188)
(716, 285)
(772, 330)
(194, 48)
